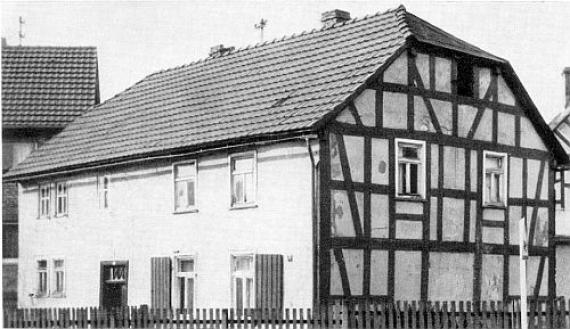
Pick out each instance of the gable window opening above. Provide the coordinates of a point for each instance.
(243, 179)
(465, 78)
(495, 179)
(186, 279)
(411, 164)
(45, 198)
(61, 199)
(242, 282)
(42, 276)
(185, 186)
(104, 186)
(59, 277)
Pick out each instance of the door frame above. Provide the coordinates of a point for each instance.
(101, 279)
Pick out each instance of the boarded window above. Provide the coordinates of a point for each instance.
(269, 281)
(160, 270)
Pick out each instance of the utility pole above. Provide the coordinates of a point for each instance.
(261, 26)
(21, 34)
(523, 247)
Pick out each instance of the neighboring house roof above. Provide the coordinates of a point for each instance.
(561, 127)
(47, 87)
(290, 85)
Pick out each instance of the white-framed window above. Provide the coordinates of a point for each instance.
(494, 178)
(242, 276)
(410, 168)
(42, 278)
(185, 179)
(45, 201)
(58, 285)
(61, 199)
(185, 285)
(103, 189)
(243, 179)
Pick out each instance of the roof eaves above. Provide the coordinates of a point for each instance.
(534, 114)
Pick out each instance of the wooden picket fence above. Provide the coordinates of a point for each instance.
(357, 315)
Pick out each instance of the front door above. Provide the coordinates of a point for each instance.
(114, 284)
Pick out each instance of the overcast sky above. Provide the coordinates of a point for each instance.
(134, 39)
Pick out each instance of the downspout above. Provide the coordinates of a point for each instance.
(315, 224)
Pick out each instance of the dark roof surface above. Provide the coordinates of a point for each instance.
(47, 87)
(561, 127)
(282, 86)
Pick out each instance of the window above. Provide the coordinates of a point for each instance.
(42, 276)
(464, 78)
(104, 186)
(243, 179)
(185, 186)
(242, 281)
(186, 282)
(495, 185)
(61, 199)
(45, 199)
(410, 171)
(59, 277)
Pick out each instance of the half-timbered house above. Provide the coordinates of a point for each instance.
(561, 127)
(377, 157)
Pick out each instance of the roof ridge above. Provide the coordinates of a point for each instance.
(279, 39)
(46, 47)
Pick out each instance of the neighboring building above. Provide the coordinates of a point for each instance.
(43, 89)
(378, 157)
(561, 127)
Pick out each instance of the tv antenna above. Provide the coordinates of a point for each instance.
(261, 26)
(21, 34)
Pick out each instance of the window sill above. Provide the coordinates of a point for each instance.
(62, 295)
(494, 206)
(185, 211)
(60, 216)
(410, 198)
(243, 206)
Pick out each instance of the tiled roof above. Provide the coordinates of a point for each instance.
(47, 87)
(281, 86)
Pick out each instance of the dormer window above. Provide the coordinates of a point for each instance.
(464, 78)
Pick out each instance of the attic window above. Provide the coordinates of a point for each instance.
(464, 78)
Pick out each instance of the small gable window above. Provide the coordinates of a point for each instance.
(495, 185)
(410, 169)
(464, 78)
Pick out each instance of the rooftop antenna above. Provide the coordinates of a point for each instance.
(21, 34)
(261, 26)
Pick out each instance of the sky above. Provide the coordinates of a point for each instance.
(136, 38)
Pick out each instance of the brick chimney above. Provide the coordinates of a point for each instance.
(566, 74)
(4, 42)
(328, 18)
(220, 50)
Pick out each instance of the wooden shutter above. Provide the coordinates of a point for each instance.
(160, 272)
(269, 281)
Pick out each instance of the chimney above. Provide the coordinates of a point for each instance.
(220, 50)
(4, 43)
(566, 74)
(329, 18)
